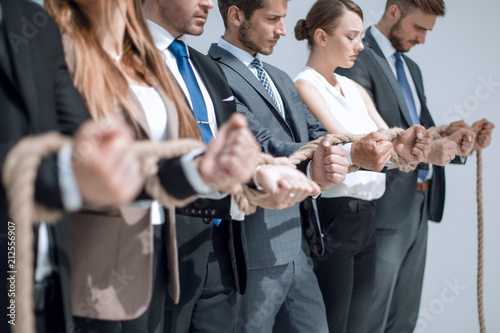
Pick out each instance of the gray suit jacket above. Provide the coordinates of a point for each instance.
(273, 237)
(372, 71)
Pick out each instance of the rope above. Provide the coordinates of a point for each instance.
(436, 134)
(307, 151)
(480, 241)
(19, 175)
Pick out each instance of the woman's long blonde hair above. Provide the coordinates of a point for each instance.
(97, 77)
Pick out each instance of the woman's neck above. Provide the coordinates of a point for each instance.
(110, 30)
(317, 62)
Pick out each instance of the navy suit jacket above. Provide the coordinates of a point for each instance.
(372, 71)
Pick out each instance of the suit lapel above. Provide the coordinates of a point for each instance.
(138, 113)
(206, 77)
(287, 105)
(20, 58)
(236, 65)
(172, 116)
(170, 228)
(379, 57)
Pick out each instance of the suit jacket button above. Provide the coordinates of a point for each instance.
(200, 212)
(214, 212)
(207, 220)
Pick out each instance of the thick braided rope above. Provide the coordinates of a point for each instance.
(480, 258)
(19, 178)
(19, 175)
(307, 151)
(436, 134)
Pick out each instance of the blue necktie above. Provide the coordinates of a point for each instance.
(261, 75)
(178, 49)
(410, 102)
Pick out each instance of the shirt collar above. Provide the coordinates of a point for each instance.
(163, 38)
(384, 43)
(242, 55)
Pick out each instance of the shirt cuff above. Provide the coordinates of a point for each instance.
(347, 148)
(236, 213)
(70, 193)
(194, 178)
(308, 174)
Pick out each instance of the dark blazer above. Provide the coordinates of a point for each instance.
(372, 71)
(36, 96)
(273, 237)
(195, 226)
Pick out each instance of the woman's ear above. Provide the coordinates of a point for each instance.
(320, 36)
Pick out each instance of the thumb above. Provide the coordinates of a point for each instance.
(238, 121)
(408, 135)
(326, 142)
(116, 132)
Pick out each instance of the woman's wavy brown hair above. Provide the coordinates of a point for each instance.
(97, 76)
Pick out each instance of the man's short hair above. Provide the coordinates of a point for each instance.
(248, 7)
(430, 7)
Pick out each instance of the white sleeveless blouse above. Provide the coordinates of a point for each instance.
(351, 112)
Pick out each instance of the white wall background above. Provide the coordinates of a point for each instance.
(460, 54)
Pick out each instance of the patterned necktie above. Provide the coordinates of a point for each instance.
(410, 102)
(261, 75)
(178, 49)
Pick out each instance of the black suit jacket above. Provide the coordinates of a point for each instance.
(36, 96)
(194, 236)
(372, 71)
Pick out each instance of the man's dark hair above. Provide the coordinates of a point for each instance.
(248, 7)
(430, 7)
